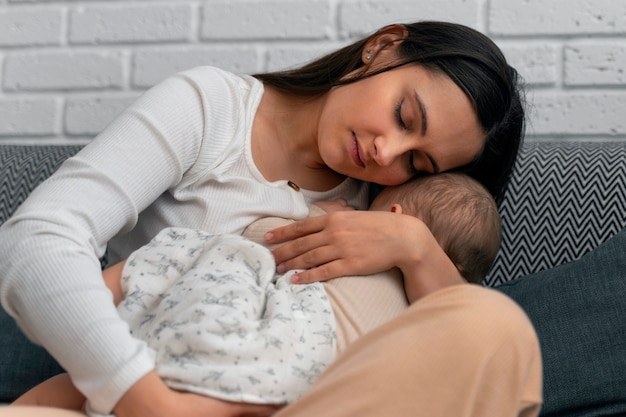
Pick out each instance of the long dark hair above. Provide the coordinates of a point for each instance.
(469, 58)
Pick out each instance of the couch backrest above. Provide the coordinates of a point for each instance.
(23, 167)
(564, 199)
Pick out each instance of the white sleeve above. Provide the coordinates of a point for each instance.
(50, 278)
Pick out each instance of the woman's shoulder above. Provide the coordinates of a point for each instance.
(213, 78)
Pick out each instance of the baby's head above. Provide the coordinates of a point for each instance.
(460, 213)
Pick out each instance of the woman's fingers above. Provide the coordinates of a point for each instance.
(295, 230)
(330, 270)
(350, 243)
(302, 253)
(340, 244)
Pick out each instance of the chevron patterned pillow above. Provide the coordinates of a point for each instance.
(565, 198)
(23, 167)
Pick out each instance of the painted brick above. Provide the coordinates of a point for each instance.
(153, 65)
(293, 19)
(292, 57)
(536, 17)
(30, 27)
(537, 63)
(89, 115)
(52, 1)
(118, 23)
(570, 52)
(595, 64)
(364, 17)
(580, 113)
(31, 116)
(63, 70)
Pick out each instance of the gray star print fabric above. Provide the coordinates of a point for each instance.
(221, 322)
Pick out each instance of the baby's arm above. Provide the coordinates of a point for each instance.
(113, 280)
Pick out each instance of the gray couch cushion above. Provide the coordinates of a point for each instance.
(579, 312)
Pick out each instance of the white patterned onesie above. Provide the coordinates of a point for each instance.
(221, 322)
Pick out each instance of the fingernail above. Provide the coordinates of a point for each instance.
(295, 278)
(269, 236)
(281, 268)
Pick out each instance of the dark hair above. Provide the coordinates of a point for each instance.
(469, 58)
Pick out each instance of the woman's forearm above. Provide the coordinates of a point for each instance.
(58, 391)
(50, 276)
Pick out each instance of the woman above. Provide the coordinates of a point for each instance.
(212, 150)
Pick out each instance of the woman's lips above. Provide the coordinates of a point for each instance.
(355, 153)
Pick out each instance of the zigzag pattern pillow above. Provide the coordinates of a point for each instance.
(564, 200)
(23, 167)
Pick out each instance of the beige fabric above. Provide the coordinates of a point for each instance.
(362, 303)
(358, 308)
(464, 351)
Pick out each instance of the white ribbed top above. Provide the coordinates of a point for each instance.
(179, 156)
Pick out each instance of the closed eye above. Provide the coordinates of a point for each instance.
(398, 113)
(429, 158)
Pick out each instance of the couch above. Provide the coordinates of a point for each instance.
(563, 259)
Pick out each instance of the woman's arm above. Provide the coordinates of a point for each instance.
(54, 240)
(149, 397)
(362, 243)
(57, 391)
(432, 272)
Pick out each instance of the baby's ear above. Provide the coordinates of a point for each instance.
(396, 208)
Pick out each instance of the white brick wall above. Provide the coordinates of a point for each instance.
(68, 67)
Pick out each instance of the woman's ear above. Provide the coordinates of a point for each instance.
(384, 41)
(396, 208)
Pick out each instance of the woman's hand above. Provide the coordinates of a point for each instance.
(151, 397)
(363, 243)
(349, 243)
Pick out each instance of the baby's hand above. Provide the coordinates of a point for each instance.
(329, 206)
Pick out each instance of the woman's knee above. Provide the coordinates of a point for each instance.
(485, 341)
(481, 322)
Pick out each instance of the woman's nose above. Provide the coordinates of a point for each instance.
(387, 150)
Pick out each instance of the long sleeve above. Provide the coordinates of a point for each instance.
(180, 156)
(50, 276)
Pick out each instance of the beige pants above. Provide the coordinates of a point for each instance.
(462, 351)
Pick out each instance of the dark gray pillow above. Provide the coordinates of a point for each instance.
(579, 312)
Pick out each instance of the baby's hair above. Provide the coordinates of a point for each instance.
(460, 213)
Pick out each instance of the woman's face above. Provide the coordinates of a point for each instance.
(389, 127)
